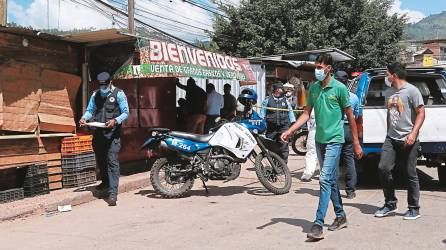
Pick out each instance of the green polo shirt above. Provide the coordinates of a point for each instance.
(329, 104)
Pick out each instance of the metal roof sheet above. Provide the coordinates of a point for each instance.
(100, 36)
(310, 55)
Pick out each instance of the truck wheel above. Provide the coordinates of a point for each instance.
(442, 175)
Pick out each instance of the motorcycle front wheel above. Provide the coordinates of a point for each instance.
(166, 182)
(276, 182)
(299, 143)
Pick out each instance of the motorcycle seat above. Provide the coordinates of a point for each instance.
(192, 137)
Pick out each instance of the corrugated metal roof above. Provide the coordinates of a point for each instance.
(108, 35)
(28, 32)
(337, 54)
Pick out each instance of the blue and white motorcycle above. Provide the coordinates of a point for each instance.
(216, 156)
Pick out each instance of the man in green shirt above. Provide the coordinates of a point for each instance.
(330, 100)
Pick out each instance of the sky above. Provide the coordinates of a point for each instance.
(74, 14)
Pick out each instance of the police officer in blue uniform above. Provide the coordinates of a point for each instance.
(278, 118)
(108, 105)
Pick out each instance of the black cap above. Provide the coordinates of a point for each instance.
(341, 76)
(277, 85)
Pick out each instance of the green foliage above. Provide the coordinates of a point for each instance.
(431, 27)
(263, 27)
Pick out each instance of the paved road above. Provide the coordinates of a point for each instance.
(235, 215)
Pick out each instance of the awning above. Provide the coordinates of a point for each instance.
(166, 59)
(337, 54)
(99, 37)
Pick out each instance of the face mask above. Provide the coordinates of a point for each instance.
(320, 74)
(288, 94)
(387, 82)
(104, 88)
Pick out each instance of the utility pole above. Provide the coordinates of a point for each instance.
(3, 12)
(131, 16)
(48, 13)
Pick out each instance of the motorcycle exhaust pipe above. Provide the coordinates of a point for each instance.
(227, 157)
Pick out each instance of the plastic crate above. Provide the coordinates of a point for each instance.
(11, 195)
(36, 190)
(79, 178)
(35, 180)
(77, 145)
(75, 169)
(70, 160)
(36, 169)
(82, 138)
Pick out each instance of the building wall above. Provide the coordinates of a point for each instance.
(152, 104)
(435, 47)
(48, 54)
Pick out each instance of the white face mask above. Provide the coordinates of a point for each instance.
(288, 94)
(387, 82)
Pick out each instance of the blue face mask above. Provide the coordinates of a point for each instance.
(320, 74)
(105, 88)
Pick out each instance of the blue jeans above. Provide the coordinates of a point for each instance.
(328, 156)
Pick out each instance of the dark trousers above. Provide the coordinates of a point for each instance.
(210, 123)
(273, 132)
(395, 151)
(106, 151)
(348, 160)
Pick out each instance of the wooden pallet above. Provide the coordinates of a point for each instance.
(55, 185)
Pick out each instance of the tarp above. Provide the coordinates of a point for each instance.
(166, 59)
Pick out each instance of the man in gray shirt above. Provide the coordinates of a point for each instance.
(405, 116)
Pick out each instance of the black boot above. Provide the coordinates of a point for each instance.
(112, 199)
(102, 186)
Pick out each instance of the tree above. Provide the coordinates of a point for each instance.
(360, 27)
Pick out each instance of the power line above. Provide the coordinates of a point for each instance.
(169, 19)
(169, 25)
(179, 14)
(141, 22)
(93, 6)
(144, 10)
(176, 21)
(204, 8)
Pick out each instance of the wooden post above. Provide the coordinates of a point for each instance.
(131, 16)
(3, 12)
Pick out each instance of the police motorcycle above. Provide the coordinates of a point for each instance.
(218, 155)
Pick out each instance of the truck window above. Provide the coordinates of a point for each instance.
(375, 94)
(429, 88)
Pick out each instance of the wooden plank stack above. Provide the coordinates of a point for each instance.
(55, 174)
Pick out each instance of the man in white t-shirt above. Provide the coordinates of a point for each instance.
(215, 103)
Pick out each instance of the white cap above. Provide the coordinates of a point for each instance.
(288, 86)
(104, 76)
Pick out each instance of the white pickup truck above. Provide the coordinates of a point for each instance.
(372, 124)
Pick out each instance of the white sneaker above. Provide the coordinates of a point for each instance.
(306, 177)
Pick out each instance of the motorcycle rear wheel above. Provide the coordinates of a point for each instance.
(162, 180)
(268, 176)
(299, 143)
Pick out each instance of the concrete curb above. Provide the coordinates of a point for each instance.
(73, 196)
